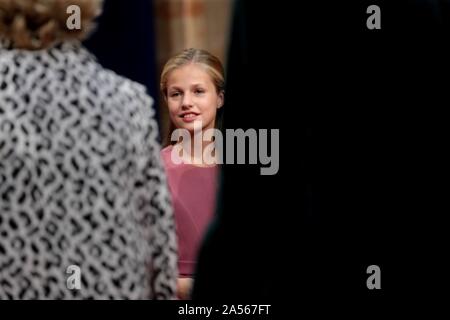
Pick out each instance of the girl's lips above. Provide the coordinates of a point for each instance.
(190, 117)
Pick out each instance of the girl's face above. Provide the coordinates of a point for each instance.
(192, 97)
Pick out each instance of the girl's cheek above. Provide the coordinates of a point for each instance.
(173, 108)
(173, 114)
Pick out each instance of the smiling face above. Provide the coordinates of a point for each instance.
(192, 96)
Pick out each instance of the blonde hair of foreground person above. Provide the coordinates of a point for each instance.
(39, 24)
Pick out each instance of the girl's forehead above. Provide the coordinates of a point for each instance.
(189, 73)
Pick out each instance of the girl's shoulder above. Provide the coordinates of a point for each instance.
(166, 156)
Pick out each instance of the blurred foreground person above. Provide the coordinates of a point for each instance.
(84, 205)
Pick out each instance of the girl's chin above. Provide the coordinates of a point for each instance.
(191, 126)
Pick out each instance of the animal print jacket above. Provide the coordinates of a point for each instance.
(84, 207)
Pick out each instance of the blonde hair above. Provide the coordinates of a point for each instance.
(211, 63)
(212, 66)
(38, 24)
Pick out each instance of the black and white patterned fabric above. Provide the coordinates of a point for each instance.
(81, 182)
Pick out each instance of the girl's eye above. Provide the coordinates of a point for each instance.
(174, 94)
(199, 91)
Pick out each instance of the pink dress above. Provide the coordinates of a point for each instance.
(193, 191)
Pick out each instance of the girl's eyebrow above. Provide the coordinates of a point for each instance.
(192, 86)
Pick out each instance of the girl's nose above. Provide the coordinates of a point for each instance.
(187, 101)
